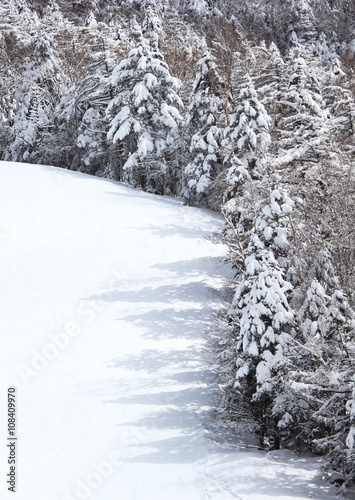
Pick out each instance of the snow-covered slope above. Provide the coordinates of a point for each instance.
(105, 296)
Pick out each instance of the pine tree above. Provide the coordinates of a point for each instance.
(142, 116)
(204, 120)
(341, 105)
(21, 10)
(81, 124)
(92, 140)
(247, 135)
(245, 144)
(303, 25)
(270, 80)
(323, 271)
(321, 357)
(199, 7)
(314, 312)
(261, 316)
(303, 126)
(273, 223)
(36, 99)
(52, 15)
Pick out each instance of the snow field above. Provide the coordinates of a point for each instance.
(107, 293)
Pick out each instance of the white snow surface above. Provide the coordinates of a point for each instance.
(106, 295)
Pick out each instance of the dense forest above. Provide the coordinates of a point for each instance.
(245, 107)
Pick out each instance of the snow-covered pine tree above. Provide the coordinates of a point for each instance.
(40, 92)
(22, 11)
(301, 137)
(158, 6)
(52, 15)
(245, 144)
(270, 82)
(260, 315)
(204, 121)
(341, 104)
(247, 134)
(326, 51)
(92, 140)
(199, 7)
(94, 92)
(303, 25)
(323, 271)
(90, 20)
(270, 77)
(321, 366)
(273, 224)
(80, 133)
(142, 116)
(152, 25)
(313, 314)
(67, 117)
(108, 11)
(303, 126)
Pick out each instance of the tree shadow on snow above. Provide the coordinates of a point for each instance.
(270, 477)
(154, 360)
(172, 382)
(166, 294)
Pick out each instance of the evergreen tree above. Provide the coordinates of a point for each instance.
(270, 81)
(303, 25)
(199, 7)
(314, 312)
(92, 140)
(40, 92)
(81, 124)
(204, 120)
(52, 14)
(21, 10)
(260, 313)
(247, 135)
(323, 271)
(320, 366)
(142, 116)
(341, 105)
(302, 131)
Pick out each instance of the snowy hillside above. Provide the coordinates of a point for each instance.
(106, 296)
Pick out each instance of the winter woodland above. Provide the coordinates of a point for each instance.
(244, 107)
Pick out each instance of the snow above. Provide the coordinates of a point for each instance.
(122, 132)
(107, 293)
(150, 80)
(253, 349)
(123, 114)
(168, 115)
(141, 93)
(350, 440)
(145, 144)
(83, 140)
